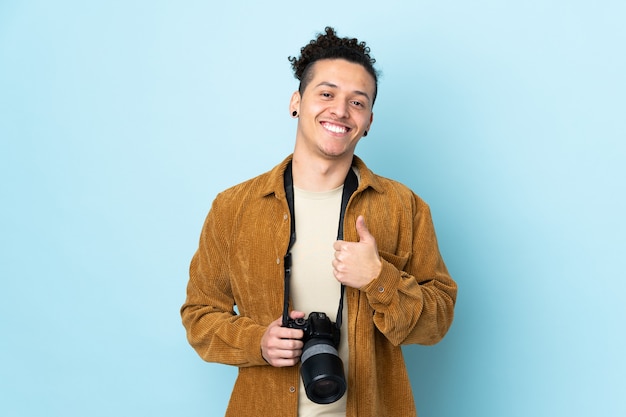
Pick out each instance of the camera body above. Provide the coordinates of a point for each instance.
(317, 326)
(321, 367)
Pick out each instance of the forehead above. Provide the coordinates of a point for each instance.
(342, 74)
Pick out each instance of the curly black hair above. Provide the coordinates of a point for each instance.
(329, 46)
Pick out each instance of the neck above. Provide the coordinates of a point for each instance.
(317, 176)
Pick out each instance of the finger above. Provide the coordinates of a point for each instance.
(293, 347)
(284, 362)
(285, 352)
(276, 331)
(280, 357)
(286, 333)
(362, 230)
(294, 314)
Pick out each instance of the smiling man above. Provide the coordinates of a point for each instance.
(332, 267)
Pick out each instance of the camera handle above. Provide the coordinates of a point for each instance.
(350, 185)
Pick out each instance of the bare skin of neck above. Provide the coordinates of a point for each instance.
(319, 175)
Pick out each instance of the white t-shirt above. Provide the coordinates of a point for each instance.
(313, 286)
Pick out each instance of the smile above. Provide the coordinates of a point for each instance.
(335, 128)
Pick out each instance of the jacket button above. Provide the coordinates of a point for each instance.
(277, 261)
(285, 217)
(292, 389)
(381, 289)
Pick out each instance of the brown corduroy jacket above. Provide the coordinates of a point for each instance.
(240, 262)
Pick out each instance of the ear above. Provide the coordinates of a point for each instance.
(294, 104)
(371, 120)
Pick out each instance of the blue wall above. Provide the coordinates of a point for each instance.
(121, 120)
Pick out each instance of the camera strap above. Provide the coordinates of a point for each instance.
(350, 185)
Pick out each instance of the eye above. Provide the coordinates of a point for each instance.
(357, 103)
(326, 95)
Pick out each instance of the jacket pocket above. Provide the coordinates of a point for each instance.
(397, 260)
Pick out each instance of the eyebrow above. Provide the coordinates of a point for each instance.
(331, 85)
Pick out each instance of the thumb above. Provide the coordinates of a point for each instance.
(362, 230)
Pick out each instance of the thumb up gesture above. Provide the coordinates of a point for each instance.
(356, 264)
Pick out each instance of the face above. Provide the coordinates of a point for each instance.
(334, 110)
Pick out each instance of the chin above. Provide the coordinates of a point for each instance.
(334, 154)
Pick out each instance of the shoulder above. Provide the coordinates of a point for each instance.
(259, 187)
(387, 189)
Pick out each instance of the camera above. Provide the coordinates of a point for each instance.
(322, 368)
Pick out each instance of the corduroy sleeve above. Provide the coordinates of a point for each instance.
(413, 297)
(213, 328)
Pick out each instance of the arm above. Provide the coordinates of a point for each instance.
(412, 296)
(213, 327)
(214, 330)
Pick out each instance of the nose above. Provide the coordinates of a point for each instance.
(340, 109)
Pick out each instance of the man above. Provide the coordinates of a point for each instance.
(395, 285)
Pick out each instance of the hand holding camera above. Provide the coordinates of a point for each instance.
(316, 339)
(282, 346)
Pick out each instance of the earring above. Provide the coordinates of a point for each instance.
(365, 133)
(294, 113)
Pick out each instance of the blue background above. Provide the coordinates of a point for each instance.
(121, 120)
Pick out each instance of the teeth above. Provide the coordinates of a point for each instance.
(335, 128)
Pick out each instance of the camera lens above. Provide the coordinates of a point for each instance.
(325, 388)
(322, 372)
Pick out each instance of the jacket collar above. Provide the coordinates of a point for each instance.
(274, 179)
